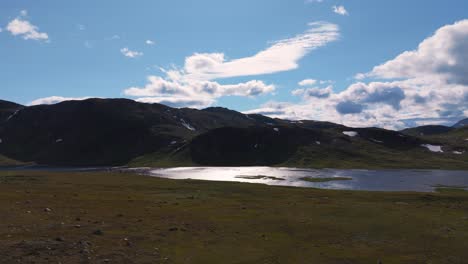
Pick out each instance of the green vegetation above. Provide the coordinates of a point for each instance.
(310, 179)
(4, 161)
(260, 177)
(456, 139)
(126, 218)
(449, 188)
(359, 153)
(364, 155)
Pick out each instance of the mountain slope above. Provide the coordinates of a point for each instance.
(103, 131)
(427, 130)
(8, 109)
(120, 131)
(462, 123)
(296, 146)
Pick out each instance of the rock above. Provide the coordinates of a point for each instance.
(172, 229)
(47, 210)
(60, 239)
(98, 232)
(127, 242)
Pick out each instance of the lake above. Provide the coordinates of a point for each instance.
(370, 180)
(337, 179)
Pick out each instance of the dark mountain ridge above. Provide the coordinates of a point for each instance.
(462, 123)
(7, 109)
(121, 131)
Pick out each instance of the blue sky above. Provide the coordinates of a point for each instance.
(202, 53)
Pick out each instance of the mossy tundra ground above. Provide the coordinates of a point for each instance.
(109, 217)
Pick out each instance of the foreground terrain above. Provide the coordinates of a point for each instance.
(111, 217)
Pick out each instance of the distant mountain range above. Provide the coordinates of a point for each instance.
(124, 132)
(462, 123)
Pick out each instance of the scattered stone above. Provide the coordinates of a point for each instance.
(84, 243)
(98, 232)
(78, 219)
(47, 210)
(60, 239)
(172, 229)
(127, 242)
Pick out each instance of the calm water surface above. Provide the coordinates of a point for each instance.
(370, 180)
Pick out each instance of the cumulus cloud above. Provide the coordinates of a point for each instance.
(428, 85)
(314, 92)
(194, 84)
(130, 53)
(307, 82)
(22, 27)
(149, 42)
(178, 102)
(340, 10)
(55, 99)
(443, 55)
(194, 93)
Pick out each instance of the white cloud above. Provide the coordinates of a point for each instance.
(22, 27)
(194, 83)
(130, 53)
(426, 86)
(307, 82)
(340, 10)
(283, 55)
(314, 92)
(149, 42)
(80, 27)
(443, 55)
(202, 93)
(175, 101)
(55, 99)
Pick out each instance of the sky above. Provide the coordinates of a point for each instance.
(390, 64)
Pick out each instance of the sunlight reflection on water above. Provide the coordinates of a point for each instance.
(371, 180)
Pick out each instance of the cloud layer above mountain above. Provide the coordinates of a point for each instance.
(195, 84)
(424, 86)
